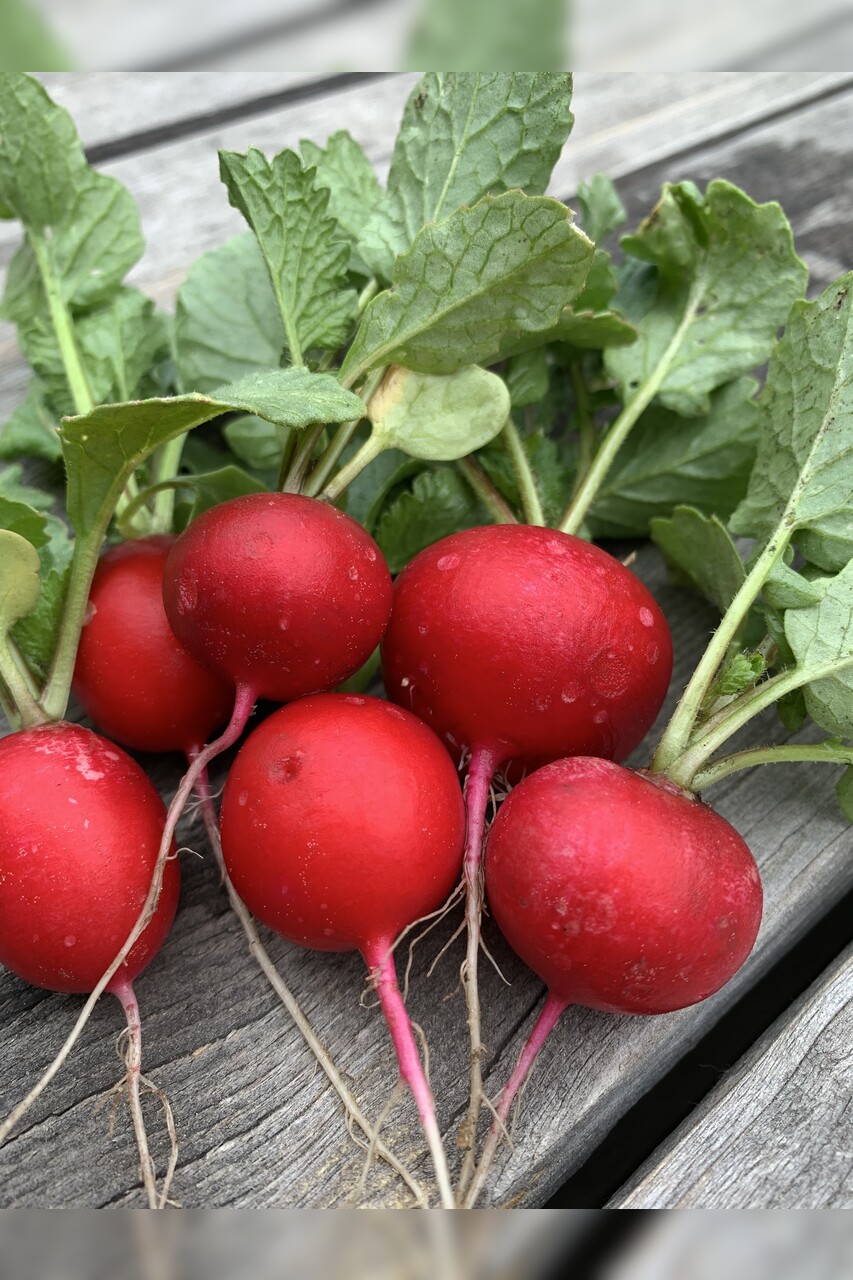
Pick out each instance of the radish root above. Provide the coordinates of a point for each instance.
(545, 1024)
(477, 792)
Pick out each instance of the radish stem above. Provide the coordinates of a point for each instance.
(379, 957)
(547, 1020)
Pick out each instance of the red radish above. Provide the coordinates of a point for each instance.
(133, 677)
(621, 891)
(282, 594)
(342, 823)
(521, 645)
(80, 828)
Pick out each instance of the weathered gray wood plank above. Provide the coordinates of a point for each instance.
(258, 1124)
(107, 105)
(775, 1245)
(778, 1131)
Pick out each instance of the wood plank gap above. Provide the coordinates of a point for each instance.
(678, 1095)
(826, 94)
(259, 35)
(147, 139)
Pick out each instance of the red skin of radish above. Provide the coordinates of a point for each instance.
(283, 594)
(133, 677)
(342, 822)
(623, 892)
(80, 825)
(527, 644)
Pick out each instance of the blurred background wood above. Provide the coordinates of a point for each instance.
(258, 1124)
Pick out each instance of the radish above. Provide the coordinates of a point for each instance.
(133, 677)
(80, 827)
(622, 891)
(138, 683)
(342, 824)
(519, 645)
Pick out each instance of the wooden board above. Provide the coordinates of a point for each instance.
(778, 1131)
(258, 1125)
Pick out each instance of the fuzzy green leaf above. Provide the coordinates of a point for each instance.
(227, 321)
(804, 468)
(103, 449)
(506, 267)
(438, 417)
(668, 460)
(823, 633)
(601, 210)
(439, 503)
(348, 176)
(727, 272)
(466, 135)
(527, 377)
(31, 431)
(19, 579)
(302, 245)
(701, 550)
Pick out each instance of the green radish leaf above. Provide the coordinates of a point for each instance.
(791, 710)
(739, 672)
(31, 431)
(306, 255)
(103, 448)
(463, 136)
(787, 589)
(369, 493)
(829, 546)
(601, 210)
(668, 461)
(844, 792)
(584, 330)
(119, 342)
(822, 633)
(701, 550)
(345, 172)
(439, 503)
(227, 322)
(13, 486)
(527, 377)
(726, 277)
(506, 267)
(35, 632)
(445, 33)
(24, 520)
(213, 487)
(256, 442)
(804, 468)
(438, 417)
(83, 224)
(19, 579)
(28, 40)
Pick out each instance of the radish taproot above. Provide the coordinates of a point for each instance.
(133, 677)
(342, 824)
(80, 827)
(622, 891)
(520, 645)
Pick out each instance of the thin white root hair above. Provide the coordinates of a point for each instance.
(435, 918)
(446, 948)
(498, 1121)
(373, 1143)
(493, 962)
(352, 1110)
(420, 1033)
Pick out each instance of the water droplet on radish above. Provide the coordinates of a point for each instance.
(647, 617)
(600, 717)
(571, 692)
(70, 941)
(353, 573)
(283, 624)
(652, 652)
(243, 799)
(285, 770)
(447, 562)
(91, 610)
(423, 629)
(187, 592)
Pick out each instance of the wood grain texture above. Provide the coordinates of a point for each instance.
(258, 1124)
(778, 1131)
